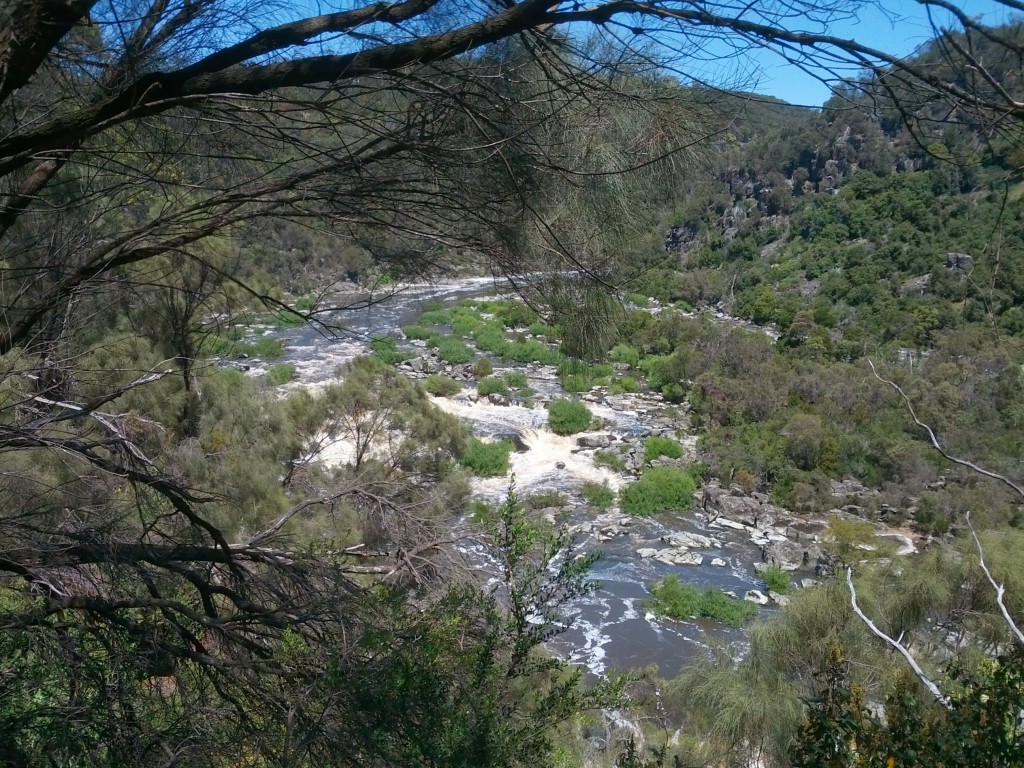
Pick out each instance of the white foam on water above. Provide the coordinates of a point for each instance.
(592, 654)
(492, 418)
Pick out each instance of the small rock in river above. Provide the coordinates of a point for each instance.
(756, 596)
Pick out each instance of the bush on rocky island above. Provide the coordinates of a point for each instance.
(657, 446)
(659, 489)
(440, 385)
(678, 601)
(567, 417)
(487, 459)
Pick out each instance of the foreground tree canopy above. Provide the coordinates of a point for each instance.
(177, 588)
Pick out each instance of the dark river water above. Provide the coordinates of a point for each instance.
(613, 629)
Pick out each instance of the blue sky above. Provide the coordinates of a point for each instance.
(901, 29)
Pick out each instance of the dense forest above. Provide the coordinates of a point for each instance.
(814, 316)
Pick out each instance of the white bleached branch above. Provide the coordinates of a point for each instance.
(938, 447)
(895, 645)
(999, 588)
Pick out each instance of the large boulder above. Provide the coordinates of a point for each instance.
(593, 440)
(756, 596)
(685, 540)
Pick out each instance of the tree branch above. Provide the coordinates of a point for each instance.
(938, 447)
(999, 588)
(896, 646)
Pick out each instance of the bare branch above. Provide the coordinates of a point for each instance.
(895, 645)
(938, 447)
(999, 588)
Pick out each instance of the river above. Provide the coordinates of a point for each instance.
(613, 628)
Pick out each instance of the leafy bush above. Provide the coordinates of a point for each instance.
(492, 386)
(487, 459)
(623, 384)
(624, 353)
(280, 374)
(436, 316)
(483, 367)
(385, 349)
(517, 380)
(578, 376)
(285, 318)
(544, 499)
(440, 385)
(576, 382)
(231, 346)
(660, 489)
(567, 417)
(684, 601)
(598, 494)
(465, 322)
(417, 332)
(656, 446)
(610, 459)
(491, 338)
(454, 351)
(542, 329)
(265, 346)
(482, 513)
(516, 314)
(531, 350)
(776, 579)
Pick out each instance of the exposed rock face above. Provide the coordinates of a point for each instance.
(961, 261)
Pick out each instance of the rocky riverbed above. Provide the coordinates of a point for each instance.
(724, 542)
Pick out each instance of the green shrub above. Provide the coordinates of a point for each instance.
(490, 337)
(598, 495)
(266, 346)
(661, 489)
(465, 323)
(482, 368)
(576, 382)
(529, 351)
(515, 314)
(280, 374)
(624, 353)
(417, 332)
(623, 384)
(487, 459)
(517, 380)
(385, 349)
(776, 579)
(678, 601)
(454, 351)
(436, 316)
(542, 329)
(482, 513)
(656, 446)
(440, 385)
(567, 417)
(611, 459)
(492, 386)
(231, 345)
(545, 499)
